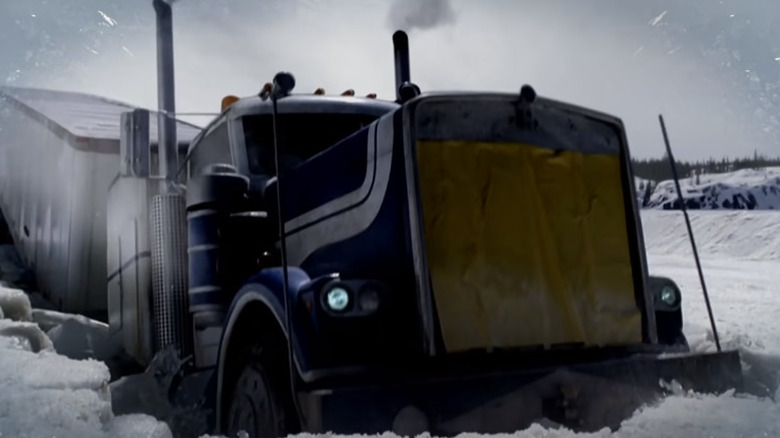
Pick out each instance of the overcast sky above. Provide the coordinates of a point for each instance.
(708, 65)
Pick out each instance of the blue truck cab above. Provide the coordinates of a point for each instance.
(439, 253)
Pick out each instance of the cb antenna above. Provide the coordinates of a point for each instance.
(690, 230)
(282, 86)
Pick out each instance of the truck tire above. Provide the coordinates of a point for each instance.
(256, 406)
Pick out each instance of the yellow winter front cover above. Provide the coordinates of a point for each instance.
(526, 246)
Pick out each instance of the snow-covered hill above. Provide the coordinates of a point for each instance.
(744, 235)
(747, 189)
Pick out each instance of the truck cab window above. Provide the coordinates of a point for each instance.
(301, 136)
(213, 148)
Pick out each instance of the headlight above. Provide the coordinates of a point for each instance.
(352, 298)
(666, 294)
(669, 295)
(337, 299)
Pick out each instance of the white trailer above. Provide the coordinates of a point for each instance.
(59, 154)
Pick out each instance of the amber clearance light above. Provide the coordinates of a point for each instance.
(228, 100)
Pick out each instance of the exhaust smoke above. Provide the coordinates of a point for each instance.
(421, 14)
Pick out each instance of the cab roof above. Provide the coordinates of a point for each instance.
(300, 104)
(305, 103)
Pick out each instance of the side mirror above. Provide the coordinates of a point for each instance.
(134, 144)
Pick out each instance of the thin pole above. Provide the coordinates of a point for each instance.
(690, 230)
(283, 249)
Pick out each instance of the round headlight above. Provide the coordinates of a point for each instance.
(669, 295)
(368, 300)
(337, 299)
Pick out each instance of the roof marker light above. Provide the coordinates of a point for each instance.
(319, 92)
(371, 95)
(349, 92)
(228, 100)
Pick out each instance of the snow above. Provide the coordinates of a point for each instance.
(84, 115)
(749, 189)
(731, 235)
(49, 319)
(15, 304)
(45, 393)
(28, 335)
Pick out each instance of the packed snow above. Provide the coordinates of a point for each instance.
(45, 393)
(746, 189)
(730, 235)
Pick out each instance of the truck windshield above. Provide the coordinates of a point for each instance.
(301, 136)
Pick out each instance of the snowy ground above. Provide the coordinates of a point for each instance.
(44, 394)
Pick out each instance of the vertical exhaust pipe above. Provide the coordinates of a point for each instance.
(404, 88)
(168, 216)
(401, 50)
(166, 101)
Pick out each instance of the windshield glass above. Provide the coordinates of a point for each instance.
(301, 136)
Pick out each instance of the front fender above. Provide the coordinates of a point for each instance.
(267, 288)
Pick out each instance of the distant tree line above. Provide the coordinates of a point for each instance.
(658, 169)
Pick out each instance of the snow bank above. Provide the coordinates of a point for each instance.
(739, 251)
(744, 235)
(46, 394)
(27, 335)
(689, 416)
(747, 189)
(15, 304)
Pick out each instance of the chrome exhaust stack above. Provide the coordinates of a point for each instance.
(404, 88)
(168, 216)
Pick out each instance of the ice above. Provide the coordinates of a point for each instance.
(140, 393)
(136, 426)
(49, 319)
(47, 394)
(28, 335)
(15, 304)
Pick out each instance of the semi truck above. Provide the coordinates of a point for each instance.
(448, 262)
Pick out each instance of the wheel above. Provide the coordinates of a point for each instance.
(256, 406)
